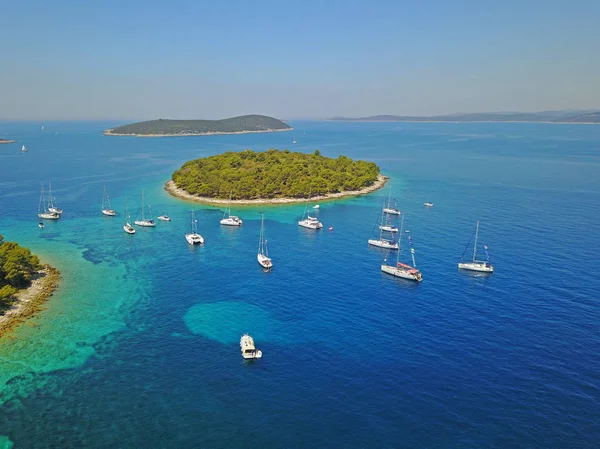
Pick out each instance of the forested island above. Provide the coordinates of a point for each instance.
(585, 117)
(6, 141)
(235, 125)
(273, 176)
(24, 284)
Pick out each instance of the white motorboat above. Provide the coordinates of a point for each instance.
(164, 218)
(51, 206)
(308, 221)
(193, 238)
(428, 204)
(249, 351)
(263, 255)
(228, 219)
(106, 207)
(148, 223)
(400, 269)
(43, 209)
(476, 265)
(127, 226)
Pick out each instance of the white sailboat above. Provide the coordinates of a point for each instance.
(51, 206)
(230, 220)
(389, 209)
(106, 208)
(308, 221)
(294, 142)
(127, 226)
(143, 222)
(263, 255)
(24, 149)
(476, 265)
(43, 210)
(402, 270)
(193, 238)
(382, 241)
(248, 349)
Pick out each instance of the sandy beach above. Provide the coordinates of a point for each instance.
(30, 301)
(109, 132)
(175, 191)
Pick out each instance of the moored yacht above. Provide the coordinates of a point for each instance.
(230, 220)
(127, 226)
(385, 240)
(249, 351)
(164, 218)
(476, 265)
(308, 221)
(389, 208)
(403, 270)
(148, 223)
(51, 206)
(106, 207)
(43, 210)
(263, 255)
(193, 238)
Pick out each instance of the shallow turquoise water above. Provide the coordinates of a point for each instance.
(139, 347)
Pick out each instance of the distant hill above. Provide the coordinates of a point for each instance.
(234, 125)
(546, 116)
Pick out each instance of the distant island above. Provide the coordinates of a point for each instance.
(273, 177)
(24, 284)
(6, 141)
(235, 125)
(586, 117)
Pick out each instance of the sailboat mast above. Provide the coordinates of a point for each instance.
(142, 205)
(260, 239)
(475, 246)
(381, 224)
(400, 239)
(41, 199)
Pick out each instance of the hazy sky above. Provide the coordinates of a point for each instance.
(137, 59)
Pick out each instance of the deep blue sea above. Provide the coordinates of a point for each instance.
(139, 348)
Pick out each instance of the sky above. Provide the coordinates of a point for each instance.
(65, 59)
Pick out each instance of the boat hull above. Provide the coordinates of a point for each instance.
(55, 210)
(310, 224)
(402, 273)
(50, 216)
(129, 229)
(164, 218)
(145, 223)
(231, 222)
(391, 211)
(388, 228)
(383, 244)
(264, 261)
(194, 239)
(481, 267)
(109, 212)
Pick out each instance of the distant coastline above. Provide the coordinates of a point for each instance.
(29, 301)
(177, 192)
(558, 117)
(109, 132)
(6, 141)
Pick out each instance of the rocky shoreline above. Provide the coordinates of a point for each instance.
(109, 132)
(175, 191)
(30, 301)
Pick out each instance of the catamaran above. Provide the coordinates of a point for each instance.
(248, 349)
(308, 221)
(476, 265)
(106, 208)
(143, 222)
(389, 209)
(193, 238)
(384, 242)
(51, 205)
(231, 220)
(263, 255)
(43, 210)
(127, 226)
(24, 149)
(402, 270)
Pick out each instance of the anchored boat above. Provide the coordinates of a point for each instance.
(476, 265)
(248, 349)
(403, 270)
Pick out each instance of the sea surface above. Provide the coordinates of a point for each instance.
(139, 347)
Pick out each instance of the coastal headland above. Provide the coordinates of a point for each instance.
(28, 302)
(244, 124)
(273, 177)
